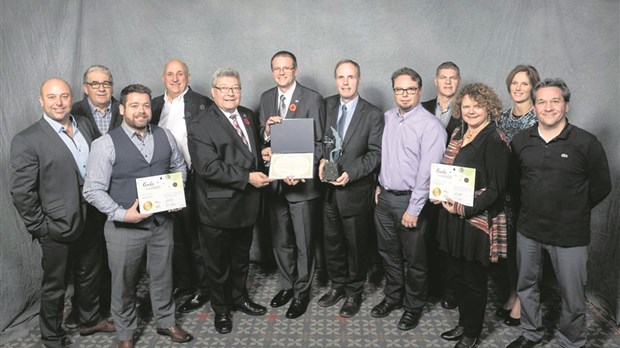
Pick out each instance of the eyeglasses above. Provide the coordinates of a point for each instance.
(283, 69)
(224, 90)
(401, 91)
(97, 84)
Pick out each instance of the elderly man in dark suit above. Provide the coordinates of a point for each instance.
(293, 204)
(175, 110)
(347, 213)
(98, 105)
(226, 158)
(48, 164)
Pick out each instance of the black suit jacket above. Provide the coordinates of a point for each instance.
(195, 103)
(222, 164)
(82, 108)
(46, 185)
(305, 103)
(361, 155)
(431, 105)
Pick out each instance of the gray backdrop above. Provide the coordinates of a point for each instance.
(576, 40)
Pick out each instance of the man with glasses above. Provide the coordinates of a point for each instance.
(226, 157)
(413, 138)
(102, 109)
(98, 104)
(175, 110)
(294, 205)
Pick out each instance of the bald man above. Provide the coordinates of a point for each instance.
(47, 164)
(174, 110)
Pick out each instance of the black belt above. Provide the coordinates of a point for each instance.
(399, 193)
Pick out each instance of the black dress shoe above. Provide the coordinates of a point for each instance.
(384, 308)
(502, 313)
(448, 304)
(250, 308)
(331, 298)
(409, 320)
(351, 306)
(510, 321)
(454, 334)
(282, 298)
(193, 303)
(298, 307)
(523, 342)
(467, 342)
(179, 292)
(223, 322)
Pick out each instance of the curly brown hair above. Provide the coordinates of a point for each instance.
(484, 95)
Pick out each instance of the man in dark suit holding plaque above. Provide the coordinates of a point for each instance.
(347, 212)
(225, 149)
(293, 204)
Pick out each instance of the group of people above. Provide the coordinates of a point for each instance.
(73, 182)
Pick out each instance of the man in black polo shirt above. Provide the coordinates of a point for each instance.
(563, 174)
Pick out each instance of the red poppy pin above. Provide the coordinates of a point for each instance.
(246, 121)
(292, 107)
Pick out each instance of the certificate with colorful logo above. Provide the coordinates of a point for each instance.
(452, 182)
(160, 193)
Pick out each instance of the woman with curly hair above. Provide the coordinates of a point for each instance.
(520, 116)
(474, 236)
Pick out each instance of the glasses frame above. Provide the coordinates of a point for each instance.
(97, 84)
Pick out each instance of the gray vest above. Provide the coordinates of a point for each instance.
(129, 165)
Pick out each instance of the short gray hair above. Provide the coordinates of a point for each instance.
(225, 72)
(97, 67)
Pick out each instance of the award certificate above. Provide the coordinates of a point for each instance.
(160, 193)
(453, 182)
(292, 149)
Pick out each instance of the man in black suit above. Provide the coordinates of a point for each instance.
(293, 204)
(175, 110)
(98, 105)
(225, 149)
(348, 204)
(48, 164)
(447, 81)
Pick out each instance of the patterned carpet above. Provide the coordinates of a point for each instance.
(322, 327)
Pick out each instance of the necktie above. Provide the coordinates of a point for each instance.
(342, 121)
(282, 107)
(233, 117)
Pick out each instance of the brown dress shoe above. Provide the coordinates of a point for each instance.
(102, 326)
(176, 334)
(125, 344)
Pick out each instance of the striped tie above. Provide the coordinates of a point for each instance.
(233, 117)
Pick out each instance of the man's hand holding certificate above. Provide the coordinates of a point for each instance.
(160, 193)
(452, 183)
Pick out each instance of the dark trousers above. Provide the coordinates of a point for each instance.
(470, 285)
(439, 275)
(345, 240)
(188, 267)
(292, 226)
(226, 254)
(399, 245)
(82, 258)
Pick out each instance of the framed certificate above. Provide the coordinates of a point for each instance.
(160, 193)
(292, 149)
(453, 182)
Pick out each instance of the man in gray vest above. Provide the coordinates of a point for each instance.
(134, 150)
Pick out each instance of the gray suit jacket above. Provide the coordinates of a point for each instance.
(361, 155)
(46, 185)
(305, 103)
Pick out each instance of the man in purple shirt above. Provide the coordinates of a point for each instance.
(413, 138)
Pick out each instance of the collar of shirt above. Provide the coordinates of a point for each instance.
(178, 98)
(58, 128)
(94, 109)
(408, 114)
(132, 133)
(442, 111)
